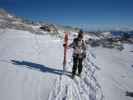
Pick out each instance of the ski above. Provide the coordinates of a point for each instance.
(65, 50)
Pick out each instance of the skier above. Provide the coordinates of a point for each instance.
(79, 53)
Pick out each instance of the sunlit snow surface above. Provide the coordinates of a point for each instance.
(84, 88)
(116, 74)
(31, 69)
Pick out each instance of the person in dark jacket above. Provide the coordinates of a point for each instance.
(79, 53)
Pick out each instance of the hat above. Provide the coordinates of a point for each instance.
(80, 33)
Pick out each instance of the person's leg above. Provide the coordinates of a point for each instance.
(80, 66)
(75, 60)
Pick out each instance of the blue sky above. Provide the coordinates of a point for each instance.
(91, 14)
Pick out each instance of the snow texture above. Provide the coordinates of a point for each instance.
(31, 69)
(84, 88)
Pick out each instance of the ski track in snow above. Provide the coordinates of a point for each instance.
(84, 88)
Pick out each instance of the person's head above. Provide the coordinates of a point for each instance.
(80, 34)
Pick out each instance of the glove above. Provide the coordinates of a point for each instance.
(64, 45)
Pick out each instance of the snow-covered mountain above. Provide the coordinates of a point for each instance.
(4, 14)
(10, 21)
(31, 70)
(31, 66)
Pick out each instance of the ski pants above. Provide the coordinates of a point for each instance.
(77, 63)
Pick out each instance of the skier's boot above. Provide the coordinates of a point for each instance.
(73, 75)
(79, 75)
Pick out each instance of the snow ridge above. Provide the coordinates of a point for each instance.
(84, 88)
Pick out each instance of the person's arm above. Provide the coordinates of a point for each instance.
(84, 46)
(71, 45)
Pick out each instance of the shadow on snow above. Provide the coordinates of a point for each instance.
(36, 66)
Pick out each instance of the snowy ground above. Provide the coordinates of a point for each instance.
(20, 52)
(31, 69)
(116, 74)
(84, 88)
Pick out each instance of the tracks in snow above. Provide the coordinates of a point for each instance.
(84, 88)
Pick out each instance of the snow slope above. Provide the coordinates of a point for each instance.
(31, 69)
(21, 51)
(116, 73)
(85, 88)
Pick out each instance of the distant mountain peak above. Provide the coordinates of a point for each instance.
(4, 13)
